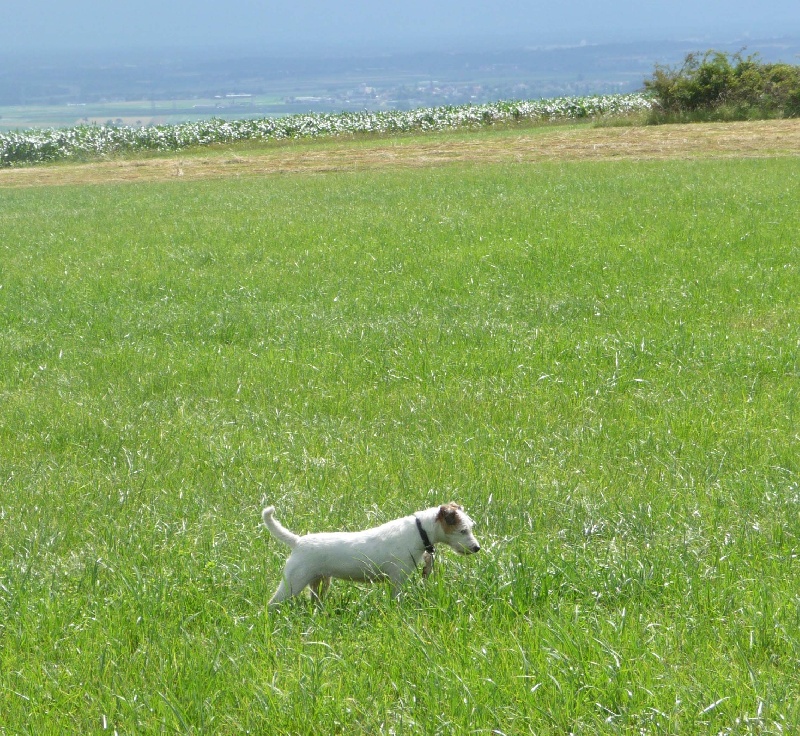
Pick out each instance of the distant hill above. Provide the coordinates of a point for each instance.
(219, 84)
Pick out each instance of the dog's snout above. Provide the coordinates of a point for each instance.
(476, 548)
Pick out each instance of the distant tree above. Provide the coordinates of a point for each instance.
(717, 85)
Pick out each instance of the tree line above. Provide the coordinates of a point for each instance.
(719, 86)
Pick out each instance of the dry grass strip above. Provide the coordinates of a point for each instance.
(744, 139)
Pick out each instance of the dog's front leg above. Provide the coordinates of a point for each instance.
(397, 578)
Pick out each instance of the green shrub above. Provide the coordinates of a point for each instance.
(716, 85)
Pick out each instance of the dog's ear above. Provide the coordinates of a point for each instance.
(448, 514)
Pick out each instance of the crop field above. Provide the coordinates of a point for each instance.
(598, 356)
(90, 142)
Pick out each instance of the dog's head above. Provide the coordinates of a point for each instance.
(457, 528)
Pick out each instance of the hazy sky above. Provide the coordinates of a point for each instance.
(52, 25)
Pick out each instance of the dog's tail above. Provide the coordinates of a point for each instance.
(277, 529)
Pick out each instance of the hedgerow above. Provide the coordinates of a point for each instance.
(720, 86)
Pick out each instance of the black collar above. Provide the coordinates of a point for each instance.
(425, 540)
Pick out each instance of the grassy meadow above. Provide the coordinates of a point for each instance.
(599, 360)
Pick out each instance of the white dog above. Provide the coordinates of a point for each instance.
(392, 550)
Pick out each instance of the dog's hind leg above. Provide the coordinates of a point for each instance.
(293, 583)
(318, 589)
(281, 594)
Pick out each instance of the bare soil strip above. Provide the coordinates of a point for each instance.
(720, 140)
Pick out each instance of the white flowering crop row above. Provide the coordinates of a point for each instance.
(93, 141)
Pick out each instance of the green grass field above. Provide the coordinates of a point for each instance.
(599, 360)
